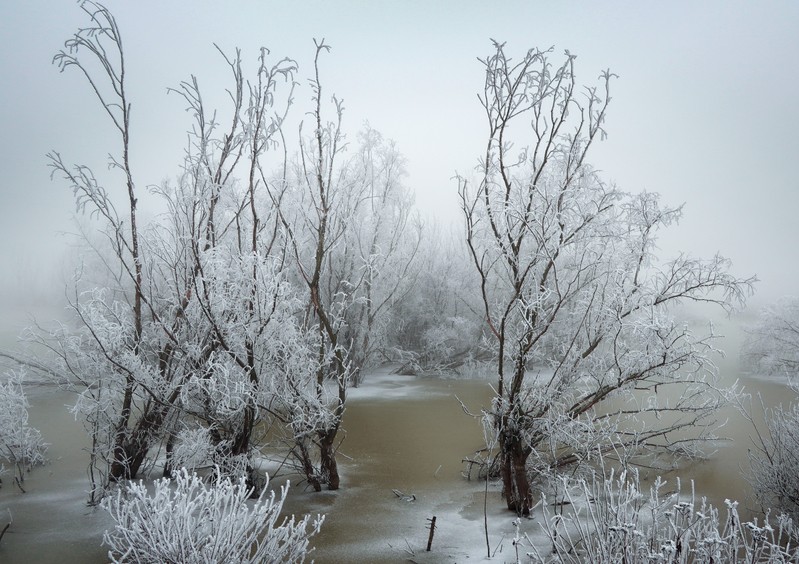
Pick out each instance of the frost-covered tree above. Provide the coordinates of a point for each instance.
(97, 52)
(774, 458)
(186, 320)
(350, 230)
(238, 302)
(21, 446)
(438, 327)
(575, 299)
(190, 521)
(252, 299)
(376, 263)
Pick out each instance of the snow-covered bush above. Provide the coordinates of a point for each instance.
(188, 521)
(610, 520)
(192, 449)
(774, 460)
(20, 444)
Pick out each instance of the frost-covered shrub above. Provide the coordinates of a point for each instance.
(774, 461)
(610, 520)
(20, 444)
(188, 521)
(192, 449)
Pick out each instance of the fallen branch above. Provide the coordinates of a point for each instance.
(404, 497)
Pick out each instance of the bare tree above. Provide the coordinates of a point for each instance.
(101, 44)
(258, 294)
(351, 230)
(573, 295)
(774, 460)
(376, 263)
(173, 313)
(241, 296)
(313, 227)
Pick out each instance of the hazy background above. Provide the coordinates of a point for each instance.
(704, 112)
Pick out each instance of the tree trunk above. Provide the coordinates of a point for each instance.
(304, 457)
(131, 450)
(241, 438)
(515, 484)
(327, 464)
(241, 446)
(129, 456)
(170, 447)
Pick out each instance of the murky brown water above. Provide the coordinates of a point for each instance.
(403, 433)
(406, 434)
(51, 522)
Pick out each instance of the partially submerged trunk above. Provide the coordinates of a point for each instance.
(307, 466)
(241, 439)
(326, 474)
(513, 469)
(132, 446)
(328, 464)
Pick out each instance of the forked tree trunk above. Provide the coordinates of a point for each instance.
(327, 463)
(132, 449)
(307, 466)
(515, 483)
(129, 456)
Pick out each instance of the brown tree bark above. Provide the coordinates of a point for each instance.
(132, 447)
(515, 483)
(328, 464)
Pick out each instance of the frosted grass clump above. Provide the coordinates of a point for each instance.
(189, 521)
(608, 519)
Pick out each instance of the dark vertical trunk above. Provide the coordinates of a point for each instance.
(513, 468)
(119, 465)
(327, 463)
(307, 465)
(170, 447)
(241, 446)
(120, 449)
(241, 439)
(129, 456)
(132, 447)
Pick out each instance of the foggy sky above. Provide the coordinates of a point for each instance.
(704, 110)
